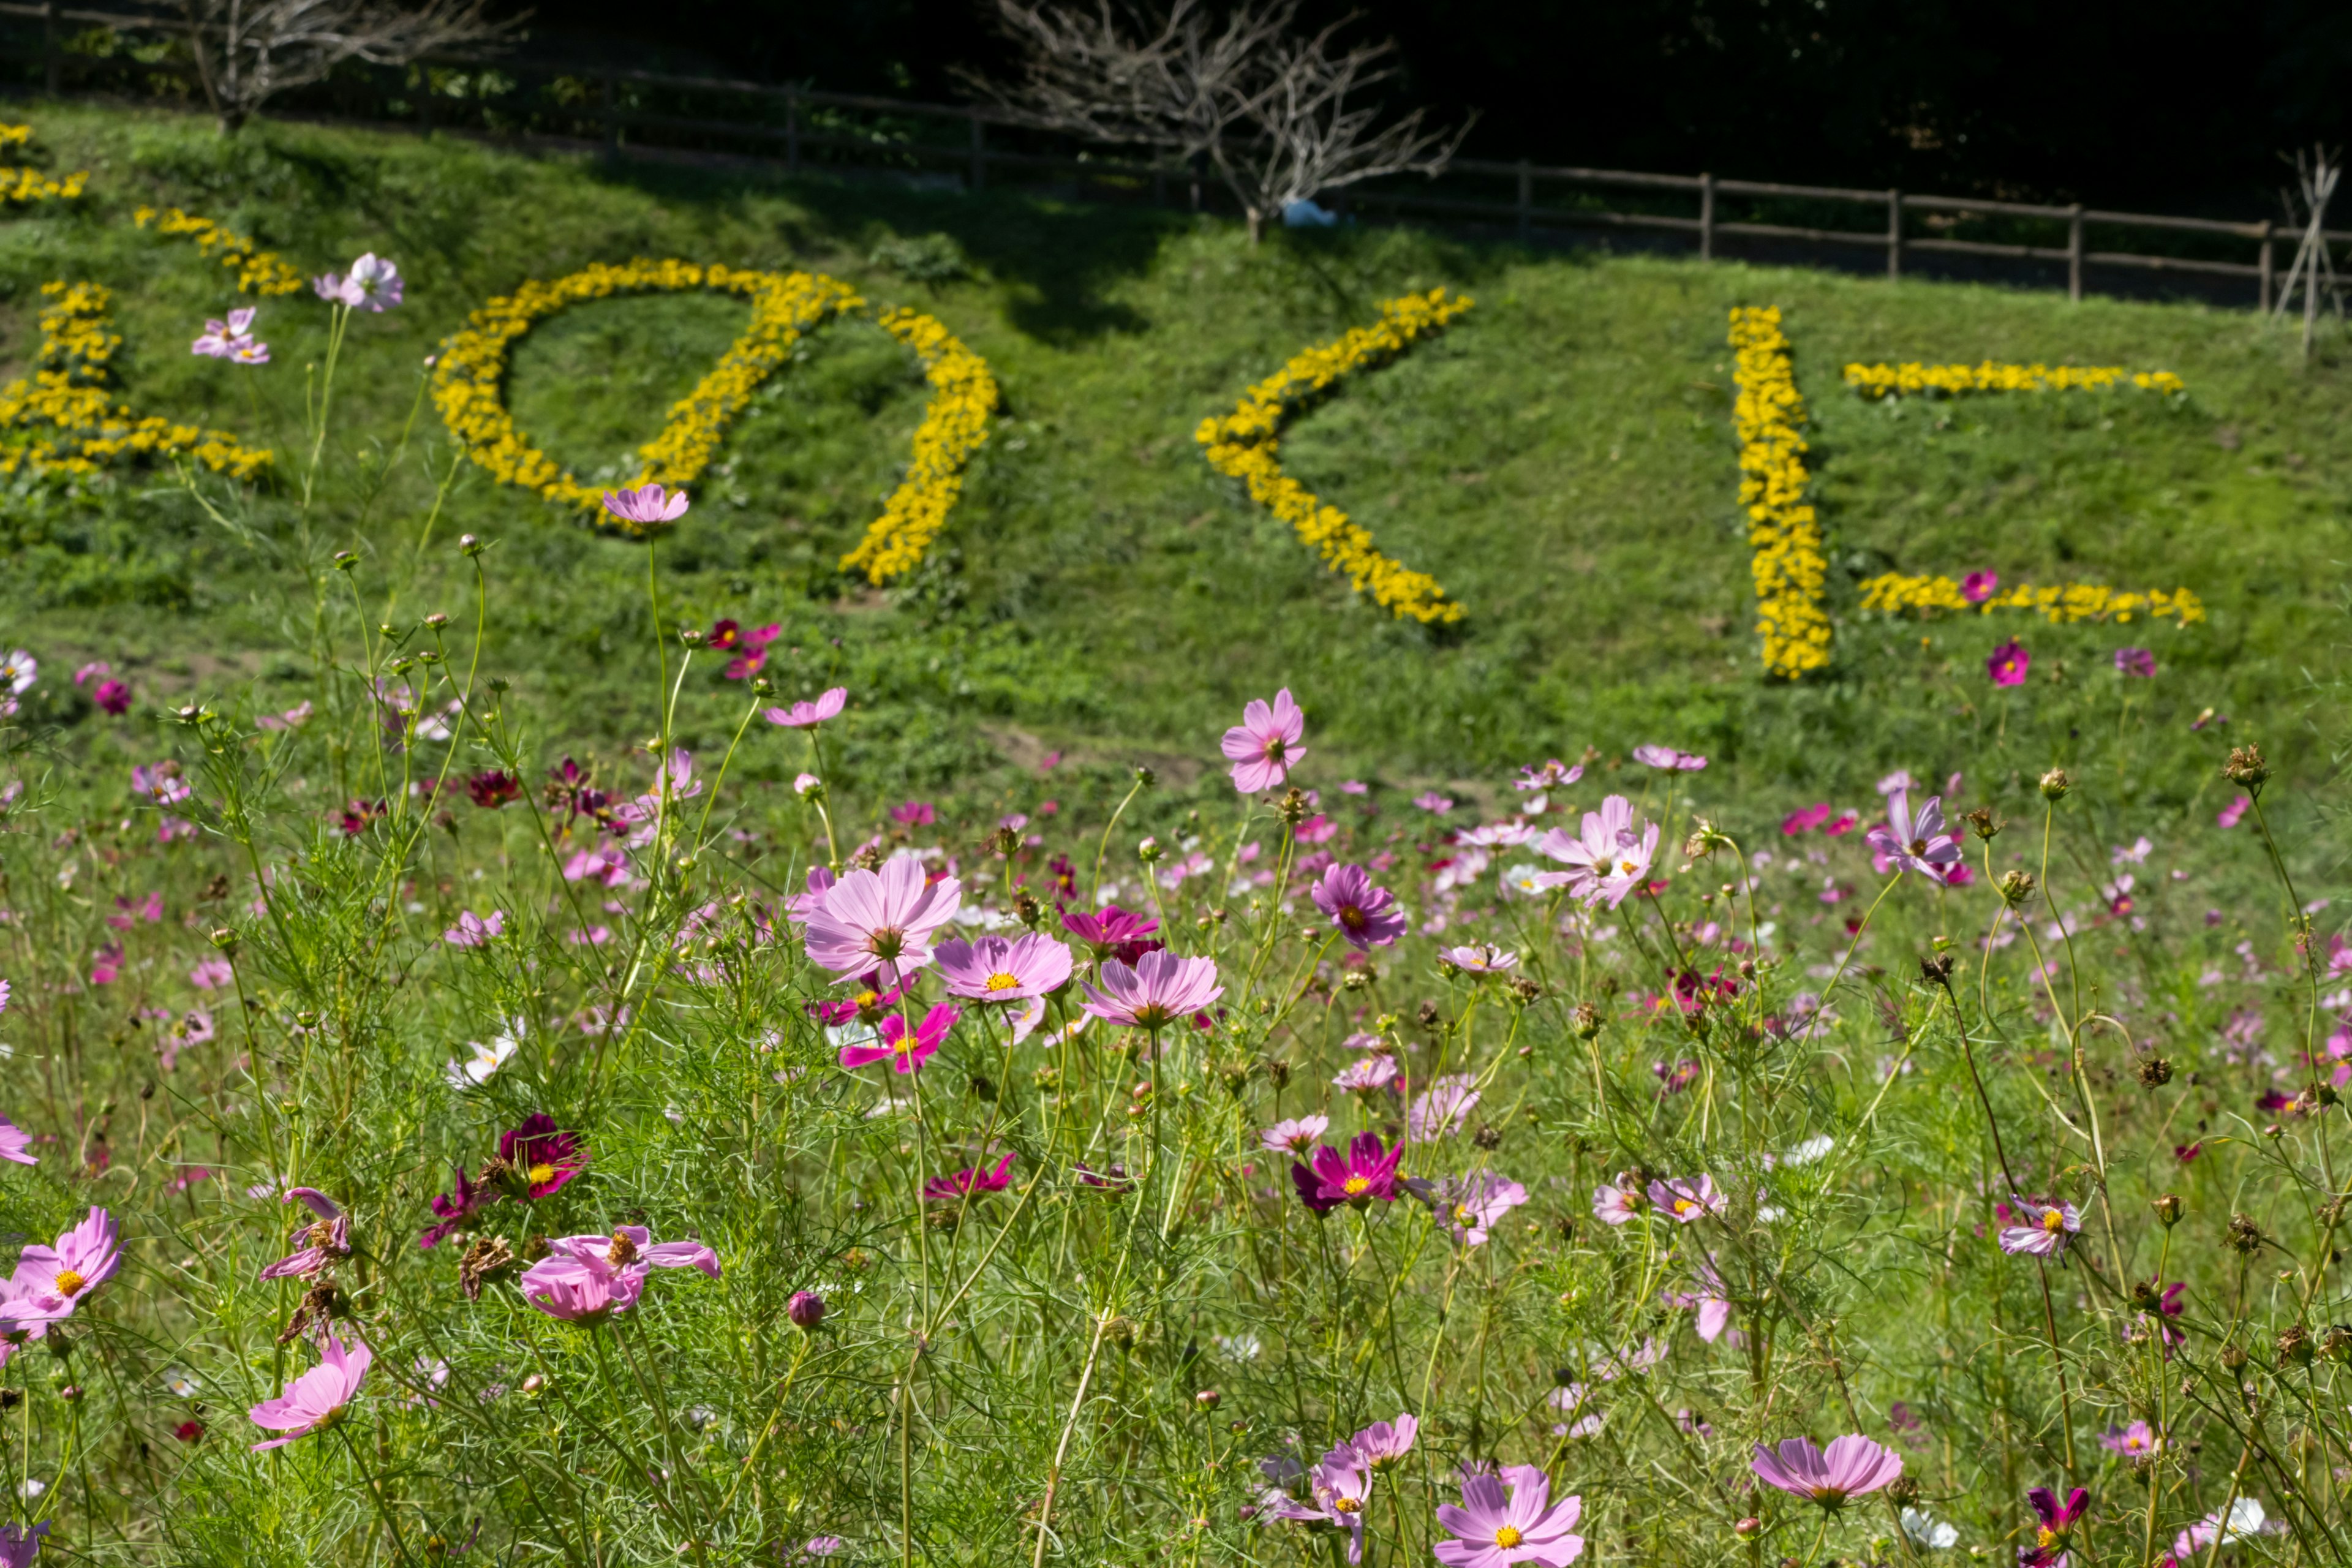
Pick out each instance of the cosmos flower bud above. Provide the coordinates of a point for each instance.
(806, 1310)
(2168, 1209)
(471, 544)
(2246, 768)
(225, 938)
(1148, 851)
(2233, 1356)
(692, 637)
(1749, 1529)
(2017, 887)
(1207, 1399)
(345, 560)
(2055, 784)
(1145, 776)
(808, 786)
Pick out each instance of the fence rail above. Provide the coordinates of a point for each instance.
(616, 106)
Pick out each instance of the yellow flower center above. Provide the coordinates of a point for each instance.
(867, 999)
(1003, 983)
(1628, 866)
(1347, 1504)
(539, 1175)
(1507, 1538)
(1683, 1205)
(1356, 1187)
(68, 1282)
(2053, 1219)
(1463, 1215)
(2047, 1536)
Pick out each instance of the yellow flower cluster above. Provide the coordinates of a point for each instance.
(69, 391)
(257, 271)
(1782, 528)
(31, 184)
(955, 424)
(1915, 379)
(1895, 593)
(1243, 445)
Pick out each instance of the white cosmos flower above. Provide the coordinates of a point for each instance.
(485, 1059)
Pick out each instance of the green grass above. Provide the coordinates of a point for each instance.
(1562, 461)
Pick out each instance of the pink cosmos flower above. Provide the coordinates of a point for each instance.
(646, 505)
(15, 1140)
(1852, 1466)
(314, 1400)
(545, 1158)
(1264, 745)
(249, 350)
(1916, 842)
(374, 284)
(2057, 1523)
(1606, 860)
(1433, 803)
(1614, 1203)
(20, 1547)
(2138, 1439)
(1384, 1443)
(807, 715)
(1438, 1112)
(2247, 1520)
(964, 1182)
(112, 697)
(633, 1246)
(996, 969)
(1510, 1519)
(472, 931)
(1483, 958)
(1113, 932)
(2232, 814)
(1367, 1073)
(2042, 1230)
(1685, 1198)
(751, 652)
(800, 906)
(453, 1210)
(589, 1279)
(1978, 586)
(1161, 987)
(1469, 1206)
(327, 1236)
(1288, 1136)
(904, 1051)
(1669, 759)
(2137, 661)
(1368, 917)
(219, 337)
(2008, 664)
(882, 919)
(50, 1282)
(1366, 1172)
(1553, 775)
(1338, 1488)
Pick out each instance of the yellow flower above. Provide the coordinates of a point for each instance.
(257, 271)
(1783, 529)
(1242, 445)
(1913, 379)
(1894, 592)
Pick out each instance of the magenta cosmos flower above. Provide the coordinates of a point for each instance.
(51, 1281)
(1978, 586)
(1916, 841)
(14, 1139)
(2137, 661)
(1266, 743)
(328, 1236)
(1510, 1519)
(2054, 1525)
(543, 1157)
(882, 919)
(2040, 1228)
(964, 1182)
(1113, 932)
(2008, 664)
(1366, 1172)
(21, 1547)
(996, 969)
(1368, 917)
(807, 715)
(1161, 987)
(587, 1279)
(451, 1211)
(905, 1049)
(312, 1401)
(646, 505)
(1852, 1466)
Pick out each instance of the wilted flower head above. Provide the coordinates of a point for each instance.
(2040, 1228)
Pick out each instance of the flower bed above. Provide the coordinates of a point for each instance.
(1782, 527)
(1894, 591)
(1243, 445)
(1914, 379)
(257, 271)
(954, 426)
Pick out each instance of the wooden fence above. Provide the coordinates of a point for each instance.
(801, 127)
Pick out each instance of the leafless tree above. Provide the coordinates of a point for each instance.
(1280, 116)
(246, 51)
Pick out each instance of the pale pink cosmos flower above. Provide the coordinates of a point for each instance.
(1438, 1113)
(51, 1281)
(1614, 1203)
(1470, 1207)
(374, 284)
(1159, 988)
(2131, 1441)
(15, 1140)
(882, 921)
(1384, 1443)
(996, 969)
(1368, 1073)
(1852, 1466)
(18, 671)
(220, 338)
(646, 504)
(249, 350)
(313, 1400)
(1339, 1486)
(1685, 1198)
(807, 715)
(2234, 813)
(1433, 803)
(472, 931)
(1264, 745)
(1606, 860)
(2043, 1230)
(1483, 958)
(1553, 775)
(1292, 1135)
(587, 1279)
(2247, 1520)
(1668, 759)
(1916, 841)
(1510, 1519)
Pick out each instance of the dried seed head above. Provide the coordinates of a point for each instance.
(2246, 768)
(2244, 1235)
(1488, 1136)
(1526, 990)
(1292, 807)
(2168, 1209)
(2155, 1072)
(2233, 1356)
(1981, 822)
(2294, 1344)
(1586, 1019)
(1937, 970)
(2335, 1344)
(484, 1256)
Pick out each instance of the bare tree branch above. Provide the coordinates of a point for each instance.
(247, 51)
(1271, 111)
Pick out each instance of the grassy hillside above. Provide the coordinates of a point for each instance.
(1562, 461)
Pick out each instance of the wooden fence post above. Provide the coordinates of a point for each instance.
(613, 115)
(2269, 266)
(52, 65)
(1706, 217)
(1894, 234)
(979, 153)
(792, 131)
(1526, 201)
(2074, 252)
